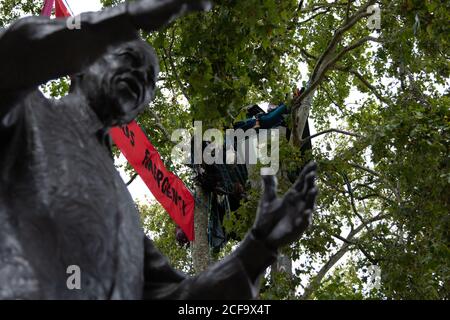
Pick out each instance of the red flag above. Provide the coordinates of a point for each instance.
(61, 9)
(167, 188)
(48, 7)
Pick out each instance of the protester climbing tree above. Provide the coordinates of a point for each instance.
(379, 104)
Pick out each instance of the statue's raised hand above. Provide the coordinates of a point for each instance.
(151, 15)
(280, 221)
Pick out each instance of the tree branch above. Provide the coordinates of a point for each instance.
(314, 284)
(395, 190)
(368, 170)
(307, 55)
(347, 12)
(172, 65)
(351, 47)
(323, 69)
(300, 115)
(352, 202)
(318, 6)
(364, 81)
(160, 126)
(359, 246)
(329, 131)
(361, 13)
(314, 16)
(132, 179)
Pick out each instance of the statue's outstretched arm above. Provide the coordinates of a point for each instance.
(279, 222)
(34, 50)
(230, 278)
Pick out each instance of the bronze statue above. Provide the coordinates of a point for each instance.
(63, 203)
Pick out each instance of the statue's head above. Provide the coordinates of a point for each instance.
(121, 83)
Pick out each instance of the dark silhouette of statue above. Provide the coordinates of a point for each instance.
(63, 203)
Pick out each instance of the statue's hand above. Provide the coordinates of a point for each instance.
(280, 221)
(151, 15)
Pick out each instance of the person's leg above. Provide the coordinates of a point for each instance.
(273, 118)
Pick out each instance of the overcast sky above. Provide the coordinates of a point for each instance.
(79, 6)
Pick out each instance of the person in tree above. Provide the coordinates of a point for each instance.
(63, 203)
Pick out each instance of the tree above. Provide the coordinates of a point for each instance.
(379, 102)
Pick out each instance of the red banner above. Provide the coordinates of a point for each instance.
(61, 9)
(166, 187)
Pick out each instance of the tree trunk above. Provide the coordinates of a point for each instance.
(200, 247)
(300, 117)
